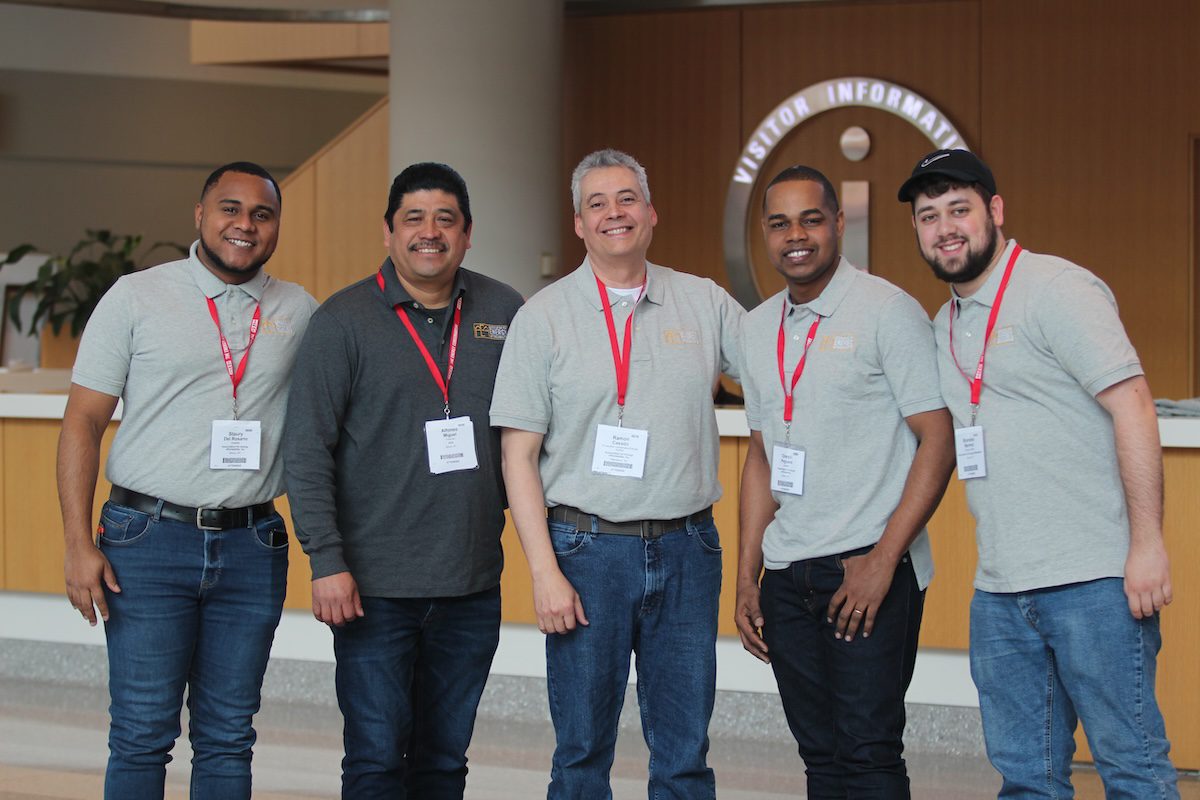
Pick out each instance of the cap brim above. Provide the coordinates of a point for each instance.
(905, 193)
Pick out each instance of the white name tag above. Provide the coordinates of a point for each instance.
(969, 452)
(451, 445)
(236, 444)
(620, 451)
(787, 469)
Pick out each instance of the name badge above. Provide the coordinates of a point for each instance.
(969, 452)
(787, 469)
(451, 445)
(236, 444)
(620, 452)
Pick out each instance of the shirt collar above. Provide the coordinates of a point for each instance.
(986, 294)
(585, 281)
(395, 294)
(826, 303)
(212, 286)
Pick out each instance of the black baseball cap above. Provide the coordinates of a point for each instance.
(958, 165)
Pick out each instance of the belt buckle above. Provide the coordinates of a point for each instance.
(648, 531)
(200, 521)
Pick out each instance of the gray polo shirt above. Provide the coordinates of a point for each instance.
(872, 364)
(557, 378)
(152, 342)
(1051, 510)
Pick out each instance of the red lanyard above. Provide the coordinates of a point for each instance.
(443, 383)
(977, 381)
(235, 376)
(620, 354)
(788, 393)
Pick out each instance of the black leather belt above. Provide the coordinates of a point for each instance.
(645, 528)
(206, 519)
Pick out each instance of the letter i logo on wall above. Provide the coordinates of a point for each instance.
(855, 144)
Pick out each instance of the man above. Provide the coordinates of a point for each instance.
(605, 395)
(1057, 438)
(861, 449)
(394, 479)
(190, 569)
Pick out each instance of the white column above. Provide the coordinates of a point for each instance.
(476, 85)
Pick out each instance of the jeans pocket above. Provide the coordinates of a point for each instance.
(566, 540)
(271, 533)
(120, 526)
(708, 538)
(840, 558)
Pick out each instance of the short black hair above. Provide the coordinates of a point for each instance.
(429, 175)
(799, 172)
(937, 185)
(244, 168)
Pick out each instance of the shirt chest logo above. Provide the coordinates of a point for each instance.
(1004, 335)
(836, 341)
(277, 326)
(680, 336)
(488, 330)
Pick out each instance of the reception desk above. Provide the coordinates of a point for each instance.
(31, 546)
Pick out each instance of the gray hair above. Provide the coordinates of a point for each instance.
(607, 158)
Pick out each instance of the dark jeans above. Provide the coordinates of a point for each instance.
(844, 701)
(197, 609)
(410, 673)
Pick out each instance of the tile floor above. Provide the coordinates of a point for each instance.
(52, 746)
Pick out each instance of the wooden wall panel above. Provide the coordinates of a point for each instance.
(1179, 661)
(516, 585)
(948, 600)
(1087, 120)
(295, 254)
(351, 195)
(860, 39)
(663, 87)
(725, 515)
(299, 579)
(266, 42)
(33, 531)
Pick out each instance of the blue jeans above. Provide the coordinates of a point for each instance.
(410, 673)
(656, 598)
(197, 609)
(1041, 658)
(844, 701)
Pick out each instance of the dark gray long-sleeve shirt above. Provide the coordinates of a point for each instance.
(355, 460)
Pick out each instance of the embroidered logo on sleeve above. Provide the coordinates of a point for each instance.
(487, 330)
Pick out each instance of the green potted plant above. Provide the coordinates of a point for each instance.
(67, 288)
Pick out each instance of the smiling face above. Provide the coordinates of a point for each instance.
(802, 233)
(238, 221)
(428, 239)
(959, 235)
(614, 219)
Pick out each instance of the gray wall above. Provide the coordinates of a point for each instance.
(130, 154)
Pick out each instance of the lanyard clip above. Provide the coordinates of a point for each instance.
(235, 406)
(787, 432)
(974, 413)
(446, 410)
(620, 416)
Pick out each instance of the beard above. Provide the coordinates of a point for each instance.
(975, 262)
(245, 273)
